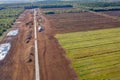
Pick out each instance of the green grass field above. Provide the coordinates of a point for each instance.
(95, 55)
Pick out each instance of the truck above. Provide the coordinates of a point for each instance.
(40, 28)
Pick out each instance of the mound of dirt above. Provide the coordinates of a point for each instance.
(28, 36)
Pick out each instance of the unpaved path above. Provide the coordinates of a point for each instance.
(53, 62)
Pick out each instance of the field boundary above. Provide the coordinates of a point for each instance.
(105, 15)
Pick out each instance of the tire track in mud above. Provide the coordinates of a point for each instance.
(44, 53)
(44, 48)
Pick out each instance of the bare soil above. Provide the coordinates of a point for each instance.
(53, 63)
(14, 66)
(83, 21)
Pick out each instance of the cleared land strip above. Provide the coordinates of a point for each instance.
(96, 58)
(53, 63)
(37, 73)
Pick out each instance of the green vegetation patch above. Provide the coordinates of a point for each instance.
(95, 54)
(8, 17)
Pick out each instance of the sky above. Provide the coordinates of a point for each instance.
(36, 0)
(13, 0)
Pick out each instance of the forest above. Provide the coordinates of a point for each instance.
(8, 15)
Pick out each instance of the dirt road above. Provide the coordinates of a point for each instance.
(37, 70)
(53, 63)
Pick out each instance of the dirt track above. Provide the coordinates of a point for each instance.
(53, 63)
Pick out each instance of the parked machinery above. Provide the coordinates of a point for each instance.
(40, 28)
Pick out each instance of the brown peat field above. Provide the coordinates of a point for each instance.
(83, 21)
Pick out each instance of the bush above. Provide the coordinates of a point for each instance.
(49, 12)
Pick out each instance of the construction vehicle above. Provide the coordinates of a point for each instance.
(40, 29)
